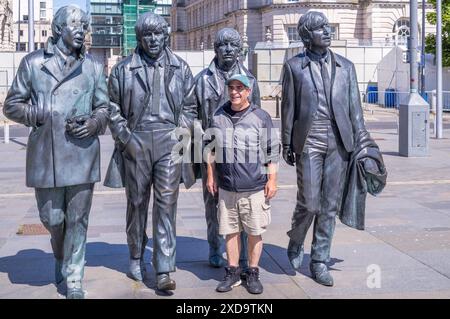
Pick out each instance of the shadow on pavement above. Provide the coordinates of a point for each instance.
(35, 267)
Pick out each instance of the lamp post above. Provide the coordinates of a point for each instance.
(30, 25)
(439, 69)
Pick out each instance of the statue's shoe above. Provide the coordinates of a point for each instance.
(75, 290)
(217, 261)
(135, 270)
(163, 282)
(320, 274)
(295, 254)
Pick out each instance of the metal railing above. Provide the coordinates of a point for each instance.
(393, 99)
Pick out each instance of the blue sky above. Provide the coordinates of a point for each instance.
(59, 3)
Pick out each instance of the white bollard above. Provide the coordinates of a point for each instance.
(433, 111)
(6, 131)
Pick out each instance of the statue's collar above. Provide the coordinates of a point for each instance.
(50, 47)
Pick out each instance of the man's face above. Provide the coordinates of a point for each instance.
(238, 93)
(153, 42)
(227, 52)
(74, 32)
(320, 37)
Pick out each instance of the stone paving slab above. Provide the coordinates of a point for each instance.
(407, 236)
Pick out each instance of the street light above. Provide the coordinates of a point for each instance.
(439, 69)
(30, 25)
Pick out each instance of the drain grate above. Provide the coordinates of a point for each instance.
(32, 230)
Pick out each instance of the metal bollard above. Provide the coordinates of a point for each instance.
(433, 111)
(277, 109)
(6, 131)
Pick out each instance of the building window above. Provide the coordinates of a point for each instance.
(402, 30)
(334, 31)
(25, 17)
(21, 33)
(44, 33)
(42, 14)
(292, 34)
(21, 46)
(42, 5)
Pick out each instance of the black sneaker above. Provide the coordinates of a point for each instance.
(254, 285)
(232, 279)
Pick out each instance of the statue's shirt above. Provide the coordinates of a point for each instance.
(323, 108)
(164, 115)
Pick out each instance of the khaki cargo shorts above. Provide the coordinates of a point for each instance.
(248, 211)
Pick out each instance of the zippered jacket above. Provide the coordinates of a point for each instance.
(243, 149)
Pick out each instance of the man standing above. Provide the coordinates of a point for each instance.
(322, 122)
(211, 93)
(245, 166)
(151, 95)
(69, 108)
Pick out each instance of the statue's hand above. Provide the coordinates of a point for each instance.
(288, 155)
(131, 148)
(88, 129)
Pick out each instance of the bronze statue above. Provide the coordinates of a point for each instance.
(151, 96)
(60, 92)
(322, 127)
(211, 93)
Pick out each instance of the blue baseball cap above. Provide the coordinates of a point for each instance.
(241, 78)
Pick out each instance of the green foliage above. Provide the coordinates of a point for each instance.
(430, 41)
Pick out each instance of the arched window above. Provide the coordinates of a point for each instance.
(401, 31)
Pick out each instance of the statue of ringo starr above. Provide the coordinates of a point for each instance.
(151, 94)
(322, 124)
(211, 93)
(60, 92)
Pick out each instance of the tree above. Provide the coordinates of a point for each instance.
(430, 40)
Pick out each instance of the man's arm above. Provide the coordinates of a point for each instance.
(287, 114)
(16, 106)
(117, 123)
(271, 149)
(356, 112)
(211, 183)
(100, 102)
(271, 186)
(189, 112)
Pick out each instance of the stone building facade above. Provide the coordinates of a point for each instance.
(360, 22)
(43, 15)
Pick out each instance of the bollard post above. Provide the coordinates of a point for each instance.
(433, 111)
(277, 110)
(6, 131)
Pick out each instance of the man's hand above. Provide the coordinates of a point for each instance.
(211, 184)
(288, 155)
(271, 186)
(88, 129)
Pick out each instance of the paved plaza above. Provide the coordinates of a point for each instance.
(403, 253)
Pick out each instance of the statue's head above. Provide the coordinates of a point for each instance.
(70, 24)
(227, 46)
(152, 34)
(314, 30)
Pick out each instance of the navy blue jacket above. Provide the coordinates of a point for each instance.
(243, 150)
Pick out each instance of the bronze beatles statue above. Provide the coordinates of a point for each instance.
(60, 92)
(151, 95)
(324, 136)
(211, 93)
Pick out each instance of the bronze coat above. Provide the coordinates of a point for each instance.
(127, 89)
(300, 100)
(54, 158)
